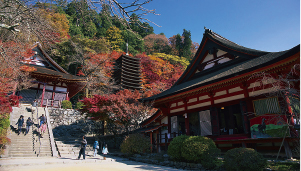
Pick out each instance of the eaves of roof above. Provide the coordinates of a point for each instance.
(226, 72)
(49, 72)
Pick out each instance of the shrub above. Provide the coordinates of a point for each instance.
(175, 146)
(198, 149)
(135, 144)
(246, 159)
(66, 104)
(79, 105)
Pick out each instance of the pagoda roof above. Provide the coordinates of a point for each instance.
(246, 61)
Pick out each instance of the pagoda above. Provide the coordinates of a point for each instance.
(127, 73)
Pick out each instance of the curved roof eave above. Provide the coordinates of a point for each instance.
(226, 72)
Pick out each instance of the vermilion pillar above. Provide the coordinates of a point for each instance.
(44, 86)
(186, 118)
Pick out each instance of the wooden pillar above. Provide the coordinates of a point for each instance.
(246, 107)
(290, 111)
(53, 94)
(187, 124)
(44, 86)
(67, 96)
(151, 140)
(214, 116)
(157, 140)
(169, 124)
(186, 118)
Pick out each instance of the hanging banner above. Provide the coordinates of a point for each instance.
(269, 125)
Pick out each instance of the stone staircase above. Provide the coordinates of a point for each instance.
(27, 145)
(70, 146)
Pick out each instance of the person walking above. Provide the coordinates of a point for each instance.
(43, 128)
(95, 147)
(28, 124)
(20, 124)
(83, 148)
(42, 119)
(105, 151)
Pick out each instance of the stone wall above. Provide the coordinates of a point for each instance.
(69, 122)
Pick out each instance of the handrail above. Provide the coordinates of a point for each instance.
(52, 143)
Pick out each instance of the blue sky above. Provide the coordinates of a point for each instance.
(268, 25)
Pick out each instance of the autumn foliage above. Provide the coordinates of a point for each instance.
(12, 74)
(121, 108)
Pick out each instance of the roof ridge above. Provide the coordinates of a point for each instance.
(217, 35)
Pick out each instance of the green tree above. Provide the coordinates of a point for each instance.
(82, 19)
(114, 37)
(143, 29)
(135, 42)
(186, 52)
(183, 44)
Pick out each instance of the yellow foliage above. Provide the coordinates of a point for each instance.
(57, 21)
(173, 59)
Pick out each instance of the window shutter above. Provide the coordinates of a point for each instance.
(268, 105)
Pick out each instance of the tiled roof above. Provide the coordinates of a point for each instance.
(60, 75)
(227, 72)
(227, 43)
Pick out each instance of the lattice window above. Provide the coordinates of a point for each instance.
(265, 106)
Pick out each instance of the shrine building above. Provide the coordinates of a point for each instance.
(222, 95)
(51, 83)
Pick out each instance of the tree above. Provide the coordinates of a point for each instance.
(135, 42)
(13, 75)
(57, 21)
(83, 19)
(114, 37)
(156, 43)
(186, 52)
(121, 109)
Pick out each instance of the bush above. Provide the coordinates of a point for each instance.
(198, 149)
(246, 159)
(135, 144)
(175, 146)
(66, 104)
(79, 105)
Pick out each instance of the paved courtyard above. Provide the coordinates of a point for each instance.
(112, 163)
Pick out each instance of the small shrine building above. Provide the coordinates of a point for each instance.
(51, 83)
(219, 96)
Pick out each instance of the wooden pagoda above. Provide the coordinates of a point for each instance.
(51, 83)
(218, 96)
(127, 72)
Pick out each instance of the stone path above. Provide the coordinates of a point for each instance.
(112, 163)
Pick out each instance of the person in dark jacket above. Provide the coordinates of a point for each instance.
(42, 119)
(20, 124)
(82, 148)
(28, 124)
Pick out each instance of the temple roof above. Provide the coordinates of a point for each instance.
(62, 76)
(247, 60)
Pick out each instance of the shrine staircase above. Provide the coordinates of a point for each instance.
(30, 145)
(69, 147)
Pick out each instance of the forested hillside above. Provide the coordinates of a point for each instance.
(86, 42)
(90, 42)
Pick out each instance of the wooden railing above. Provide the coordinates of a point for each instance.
(50, 103)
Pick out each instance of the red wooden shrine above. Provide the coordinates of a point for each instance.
(221, 95)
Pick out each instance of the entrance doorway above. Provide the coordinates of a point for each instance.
(230, 120)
